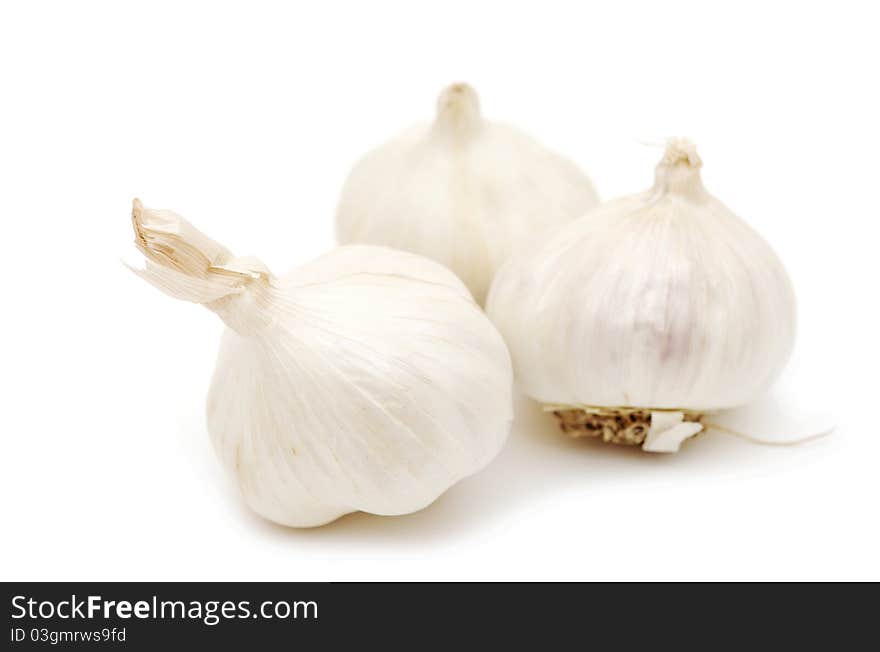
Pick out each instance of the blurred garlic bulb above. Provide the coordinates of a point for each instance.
(366, 380)
(636, 320)
(462, 191)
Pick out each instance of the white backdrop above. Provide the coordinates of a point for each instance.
(246, 117)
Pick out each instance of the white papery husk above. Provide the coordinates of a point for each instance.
(463, 191)
(365, 380)
(662, 301)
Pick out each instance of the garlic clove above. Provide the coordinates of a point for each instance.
(463, 191)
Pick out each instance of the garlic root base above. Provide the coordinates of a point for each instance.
(656, 431)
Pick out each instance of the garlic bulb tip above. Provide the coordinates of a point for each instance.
(458, 111)
(679, 170)
(681, 150)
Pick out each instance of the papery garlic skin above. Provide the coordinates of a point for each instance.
(463, 191)
(365, 380)
(663, 300)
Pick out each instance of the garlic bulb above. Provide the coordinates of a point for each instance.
(366, 380)
(463, 191)
(634, 321)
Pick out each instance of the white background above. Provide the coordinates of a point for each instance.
(246, 118)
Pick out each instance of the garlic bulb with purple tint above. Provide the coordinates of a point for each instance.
(652, 310)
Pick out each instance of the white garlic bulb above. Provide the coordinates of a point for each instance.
(652, 310)
(463, 191)
(366, 380)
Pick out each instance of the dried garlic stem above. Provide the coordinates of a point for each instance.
(184, 262)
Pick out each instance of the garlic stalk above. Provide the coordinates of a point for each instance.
(365, 380)
(463, 191)
(636, 320)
